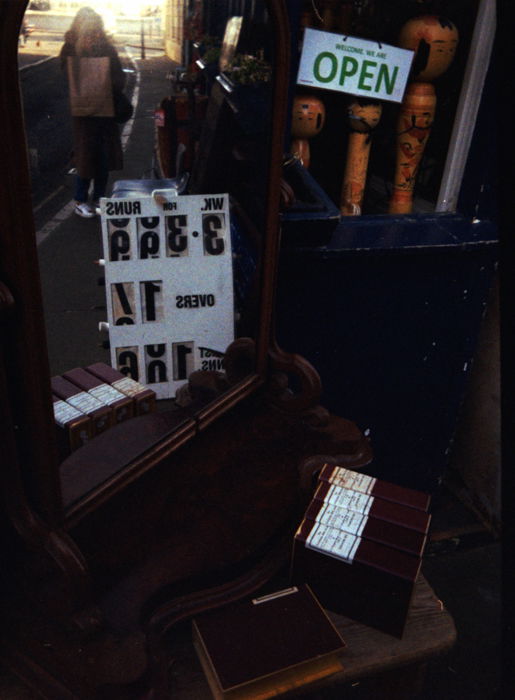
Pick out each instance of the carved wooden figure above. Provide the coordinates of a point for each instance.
(363, 118)
(434, 39)
(413, 129)
(308, 119)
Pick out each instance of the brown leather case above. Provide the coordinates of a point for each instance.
(259, 647)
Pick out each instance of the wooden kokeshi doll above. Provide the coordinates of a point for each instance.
(413, 129)
(363, 118)
(308, 117)
(434, 39)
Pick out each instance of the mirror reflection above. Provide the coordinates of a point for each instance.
(197, 78)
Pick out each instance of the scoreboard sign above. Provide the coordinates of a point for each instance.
(169, 286)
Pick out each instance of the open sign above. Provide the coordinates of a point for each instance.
(356, 66)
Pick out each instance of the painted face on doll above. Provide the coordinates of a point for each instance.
(363, 117)
(434, 40)
(308, 116)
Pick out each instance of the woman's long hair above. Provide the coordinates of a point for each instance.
(87, 33)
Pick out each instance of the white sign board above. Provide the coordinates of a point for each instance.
(169, 286)
(357, 66)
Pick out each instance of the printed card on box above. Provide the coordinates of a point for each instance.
(169, 286)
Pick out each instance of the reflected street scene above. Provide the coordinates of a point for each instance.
(136, 30)
(68, 246)
(197, 79)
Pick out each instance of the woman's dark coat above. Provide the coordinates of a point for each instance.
(90, 132)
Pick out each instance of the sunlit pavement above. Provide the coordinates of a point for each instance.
(41, 46)
(37, 48)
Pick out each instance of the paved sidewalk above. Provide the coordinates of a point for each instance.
(73, 299)
(38, 49)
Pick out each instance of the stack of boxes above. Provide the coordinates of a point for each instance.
(88, 401)
(360, 547)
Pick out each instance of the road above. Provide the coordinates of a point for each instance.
(48, 125)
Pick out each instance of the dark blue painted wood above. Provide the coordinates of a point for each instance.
(389, 313)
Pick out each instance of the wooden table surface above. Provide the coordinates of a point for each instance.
(429, 632)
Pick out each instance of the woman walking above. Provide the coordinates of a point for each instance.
(95, 75)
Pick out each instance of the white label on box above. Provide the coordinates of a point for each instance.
(129, 386)
(342, 519)
(169, 286)
(347, 498)
(85, 402)
(352, 65)
(352, 480)
(337, 543)
(106, 394)
(65, 412)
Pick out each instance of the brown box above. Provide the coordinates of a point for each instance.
(359, 578)
(268, 646)
(144, 399)
(102, 417)
(121, 404)
(358, 481)
(375, 507)
(74, 428)
(382, 531)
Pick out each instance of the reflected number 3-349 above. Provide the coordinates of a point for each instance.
(213, 237)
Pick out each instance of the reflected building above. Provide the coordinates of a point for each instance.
(204, 21)
(121, 17)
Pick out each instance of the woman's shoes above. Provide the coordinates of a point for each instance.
(83, 209)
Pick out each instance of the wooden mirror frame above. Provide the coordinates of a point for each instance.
(26, 397)
(140, 553)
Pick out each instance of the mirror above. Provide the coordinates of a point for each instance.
(179, 47)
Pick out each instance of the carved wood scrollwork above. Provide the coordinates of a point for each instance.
(164, 618)
(59, 557)
(205, 385)
(6, 300)
(58, 554)
(295, 384)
